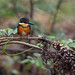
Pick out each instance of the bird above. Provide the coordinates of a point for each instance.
(24, 27)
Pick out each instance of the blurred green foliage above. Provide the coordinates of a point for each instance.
(55, 36)
(15, 72)
(5, 9)
(11, 8)
(34, 60)
(69, 43)
(68, 8)
(37, 60)
(8, 32)
(46, 6)
(36, 27)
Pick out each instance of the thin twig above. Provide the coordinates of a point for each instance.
(13, 50)
(20, 42)
(3, 39)
(30, 38)
(17, 40)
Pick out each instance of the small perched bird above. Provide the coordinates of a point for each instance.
(24, 27)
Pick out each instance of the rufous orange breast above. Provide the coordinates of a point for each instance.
(24, 29)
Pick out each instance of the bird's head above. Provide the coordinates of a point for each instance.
(25, 20)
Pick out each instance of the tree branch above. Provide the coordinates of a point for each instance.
(4, 39)
(56, 13)
(18, 38)
(20, 42)
(31, 9)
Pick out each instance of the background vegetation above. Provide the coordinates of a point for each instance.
(53, 19)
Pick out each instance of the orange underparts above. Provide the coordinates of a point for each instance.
(21, 30)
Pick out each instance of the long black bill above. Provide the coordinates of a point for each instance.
(30, 23)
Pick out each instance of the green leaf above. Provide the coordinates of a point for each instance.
(65, 42)
(71, 44)
(41, 35)
(74, 41)
(25, 61)
(29, 57)
(15, 72)
(16, 57)
(37, 54)
(2, 32)
(37, 62)
(6, 29)
(15, 31)
(27, 67)
(50, 37)
(39, 44)
(10, 31)
(32, 60)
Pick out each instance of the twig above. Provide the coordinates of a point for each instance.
(18, 38)
(14, 40)
(19, 50)
(3, 39)
(20, 42)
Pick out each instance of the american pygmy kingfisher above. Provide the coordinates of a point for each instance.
(24, 27)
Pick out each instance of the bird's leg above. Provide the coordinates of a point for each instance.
(20, 37)
(26, 38)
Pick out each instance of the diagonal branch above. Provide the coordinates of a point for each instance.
(20, 42)
(56, 13)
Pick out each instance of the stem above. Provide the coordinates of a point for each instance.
(55, 15)
(31, 9)
(14, 54)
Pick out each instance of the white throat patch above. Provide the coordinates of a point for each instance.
(23, 33)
